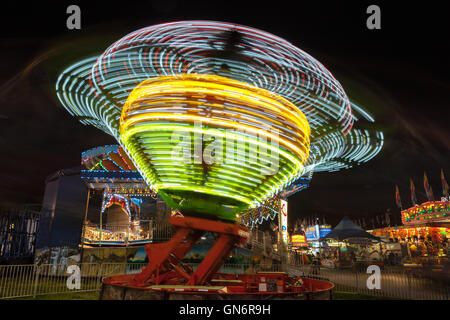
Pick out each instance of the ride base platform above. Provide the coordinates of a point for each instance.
(167, 278)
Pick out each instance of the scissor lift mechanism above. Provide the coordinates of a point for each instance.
(165, 266)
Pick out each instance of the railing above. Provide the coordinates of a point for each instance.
(262, 243)
(161, 232)
(32, 280)
(395, 282)
(18, 281)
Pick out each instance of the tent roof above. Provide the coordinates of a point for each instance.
(346, 229)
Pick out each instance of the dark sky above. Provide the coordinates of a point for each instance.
(400, 74)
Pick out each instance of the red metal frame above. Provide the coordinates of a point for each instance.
(165, 272)
(165, 265)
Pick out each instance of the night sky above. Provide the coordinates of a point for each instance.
(399, 74)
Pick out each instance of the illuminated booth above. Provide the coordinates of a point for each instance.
(345, 242)
(431, 211)
(109, 170)
(298, 248)
(314, 233)
(425, 232)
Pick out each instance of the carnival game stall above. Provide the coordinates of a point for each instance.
(347, 240)
(419, 243)
(299, 248)
(427, 212)
(423, 239)
(425, 233)
(314, 233)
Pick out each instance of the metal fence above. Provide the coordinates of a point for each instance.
(32, 280)
(18, 281)
(396, 283)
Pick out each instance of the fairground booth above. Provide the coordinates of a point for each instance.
(424, 235)
(299, 248)
(108, 170)
(348, 245)
(316, 232)
(304, 242)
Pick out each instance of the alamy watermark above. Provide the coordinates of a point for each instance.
(374, 20)
(74, 20)
(374, 280)
(74, 280)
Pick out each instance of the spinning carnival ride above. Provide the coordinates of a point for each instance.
(218, 118)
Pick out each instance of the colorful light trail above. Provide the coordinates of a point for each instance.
(233, 80)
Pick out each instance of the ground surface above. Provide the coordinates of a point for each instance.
(337, 295)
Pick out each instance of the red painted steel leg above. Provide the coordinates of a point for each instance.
(159, 253)
(214, 259)
(165, 258)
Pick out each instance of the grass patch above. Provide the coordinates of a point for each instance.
(64, 296)
(340, 295)
(16, 287)
(342, 292)
(337, 295)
